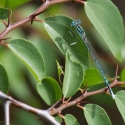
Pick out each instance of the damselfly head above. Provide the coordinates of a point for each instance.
(75, 22)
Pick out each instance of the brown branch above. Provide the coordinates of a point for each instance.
(80, 1)
(44, 114)
(83, 96)
(7, 112)
(41, 9)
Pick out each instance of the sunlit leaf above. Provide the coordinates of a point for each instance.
(4, 84)
(49, 90)
(67, 40)
(120, 102)
(106, 18)
(73, 77)
(30, 56)
(48, 52)
(95, 115)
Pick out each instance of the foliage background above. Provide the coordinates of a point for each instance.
(22, 85)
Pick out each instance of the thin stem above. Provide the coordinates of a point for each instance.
(6, 112)
(116, 72)
(83, 96)
(80, 1)
(4, 23)
(54, 105)
(42, 8)
(44, 114)
(8, 18)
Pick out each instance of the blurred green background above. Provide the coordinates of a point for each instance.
(23, 85)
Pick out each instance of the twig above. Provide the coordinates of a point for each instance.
(4, 23)
(44, 114)
(42, 8)
(8, 23)
(6, 112)
(54, 105)
(83, 96)
(116, 72)
(80, 1)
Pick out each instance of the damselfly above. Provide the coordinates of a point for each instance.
(82, 34)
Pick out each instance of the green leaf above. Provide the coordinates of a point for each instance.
(76, 123)
(58, 119)
(49, 90)
(93, 77)
(30, 56)
(15, 70)
(70, 120)
(12, 4)
(73, 77)
(120, 102)
(95, 115)
(2, 3)
(4, 84)
(4, 13)
(60, 71)
(67, 40)
(106, 18)
(122, 76)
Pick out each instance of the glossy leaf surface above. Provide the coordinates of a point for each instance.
(73, 77)
(67, 40)
(120, 102)
(30, 56)
(49, 90)
(106, 18)
(95, 115)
